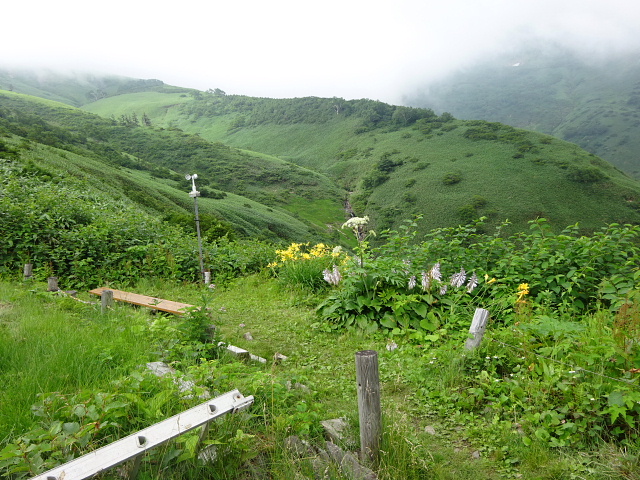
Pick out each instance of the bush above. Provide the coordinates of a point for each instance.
(585, 174)
(452, 178)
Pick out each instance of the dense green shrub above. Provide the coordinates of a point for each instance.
(87, 240)
(394, 285)
(452, 178)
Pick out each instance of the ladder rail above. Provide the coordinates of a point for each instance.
(148, 438)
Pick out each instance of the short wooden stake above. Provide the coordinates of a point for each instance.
(478, 326)
(207, 277)
(107, 300)
(52, 284)
(28, 270)
(369, 409)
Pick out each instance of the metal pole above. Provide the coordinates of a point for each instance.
(195, 199)
(195, 194)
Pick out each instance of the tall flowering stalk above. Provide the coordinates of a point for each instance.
(358, 226)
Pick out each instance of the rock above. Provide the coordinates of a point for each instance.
(335, 452)
(278, 357)
(476, 455)
(353, 469)
(297, 386)
(248, 336)
(349, 464)
(337, 429)
(298, 447)
(430, 430)
(161, 369)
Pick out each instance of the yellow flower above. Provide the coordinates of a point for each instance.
(489, 281)
(523, 290)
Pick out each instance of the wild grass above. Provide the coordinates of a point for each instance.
(73, 347)
(55, 344)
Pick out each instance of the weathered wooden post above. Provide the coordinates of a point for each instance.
(28, 271)
(107, 300)
(368, 379)
(478, 326)
(52, 284)
(207, 277)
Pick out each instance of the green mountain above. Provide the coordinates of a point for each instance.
(293, 168)
(399, 161)
(147, 167)
(593, 103)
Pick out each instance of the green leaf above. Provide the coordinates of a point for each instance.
(71, 427)
(616, 398)
(428, 325)
(388, 321)
(420, 309)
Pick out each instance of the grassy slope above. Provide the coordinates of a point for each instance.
(515, 189)
(248, 215)
(244, 214)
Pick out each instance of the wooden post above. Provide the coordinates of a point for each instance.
(207, 277)
(107, 300)
(28, 270)
(52, 284)
(478, 326)
(370, 413)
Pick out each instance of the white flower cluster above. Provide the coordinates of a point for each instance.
(332, 277)
(457, 280)
(356, 222)
(428, 278)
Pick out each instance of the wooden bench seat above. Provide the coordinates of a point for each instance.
(176, 308)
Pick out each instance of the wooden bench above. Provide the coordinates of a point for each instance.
(176, 308)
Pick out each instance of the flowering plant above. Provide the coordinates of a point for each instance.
(302, 264)
(391, 291)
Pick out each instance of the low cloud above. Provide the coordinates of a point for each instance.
(286, 48)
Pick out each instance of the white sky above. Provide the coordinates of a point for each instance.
(292, 48)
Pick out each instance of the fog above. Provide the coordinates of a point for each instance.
(285, 48)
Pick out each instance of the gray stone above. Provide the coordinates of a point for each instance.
(353, 469)
(297, 447)
(337, 430)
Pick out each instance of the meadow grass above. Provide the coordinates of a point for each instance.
(55, 344)
(52, 343)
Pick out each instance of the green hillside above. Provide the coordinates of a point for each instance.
(147, 167)
(593, 103)
(399, 161)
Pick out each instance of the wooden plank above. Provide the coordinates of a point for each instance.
(145, 301)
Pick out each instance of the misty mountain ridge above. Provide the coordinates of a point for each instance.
(591, 101)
